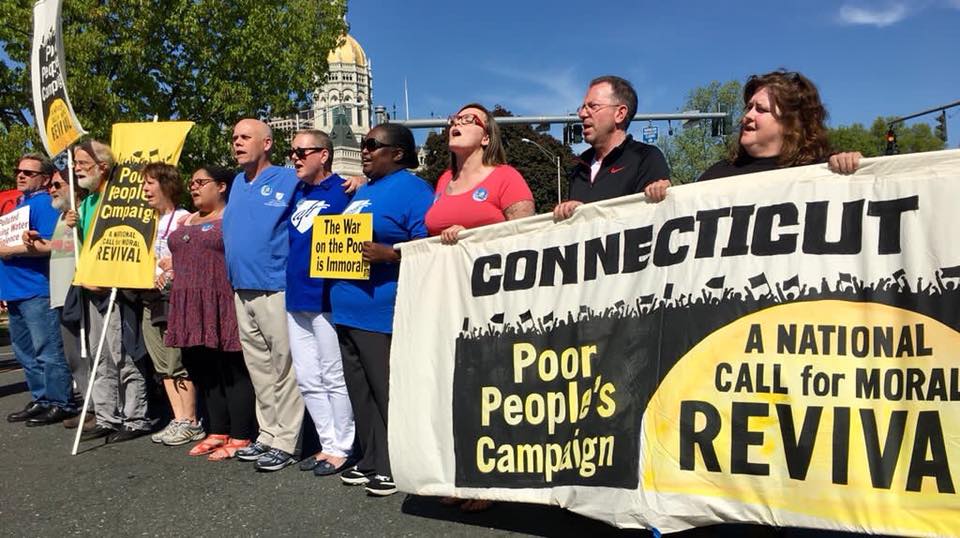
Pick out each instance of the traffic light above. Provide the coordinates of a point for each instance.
(576, 133)
(891, 142)
(941, 128)
(566, 135)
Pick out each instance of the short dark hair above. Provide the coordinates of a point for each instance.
(222, 176)
(323, 141)
(167, 175)
(400, 136)
(46, 167)
(623, 91)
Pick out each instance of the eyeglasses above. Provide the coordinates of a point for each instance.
(592, 108)
(372, 144)
(465, 119)
(200, 182)
(57, 185)
(302, 153)
(83, 164)
(28, 173)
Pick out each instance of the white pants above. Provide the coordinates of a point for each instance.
(319, 370)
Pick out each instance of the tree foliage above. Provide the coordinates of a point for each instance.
(914, 138)
(539, 170)
(695, 148)
(207, 61)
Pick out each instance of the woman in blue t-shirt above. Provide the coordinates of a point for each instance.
(363, 309)
(313, 340)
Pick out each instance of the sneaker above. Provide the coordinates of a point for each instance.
(185, 433)
(355, 477)
(381, 485)
(252, 452)
(160, 435)
(274, 460)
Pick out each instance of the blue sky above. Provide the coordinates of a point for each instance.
(868, 58)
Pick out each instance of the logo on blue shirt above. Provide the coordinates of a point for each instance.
(480, 194)
(266, 190)
(357, 206)
(302, 218)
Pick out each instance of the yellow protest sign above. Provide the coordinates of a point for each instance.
(338, 246)
(118, 250)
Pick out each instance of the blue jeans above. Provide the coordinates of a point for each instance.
(35, 336)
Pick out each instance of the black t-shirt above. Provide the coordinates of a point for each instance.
(625, 170)
(743, 165)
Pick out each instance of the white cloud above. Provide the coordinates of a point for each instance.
(879, 17)
(541, 91)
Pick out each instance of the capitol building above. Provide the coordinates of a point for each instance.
(342, 106)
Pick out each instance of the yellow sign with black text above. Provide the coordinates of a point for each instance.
(337, 248)
(118, 249)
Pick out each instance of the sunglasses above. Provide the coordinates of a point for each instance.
(28, 173)
(465, 119)
(372, 144)
(57, 185)
(302, 153)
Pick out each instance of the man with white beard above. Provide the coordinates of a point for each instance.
(120, 387)
(62, 267)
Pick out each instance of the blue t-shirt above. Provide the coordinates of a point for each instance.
(26, 277)
(255, 229)
(398, 203)
(306, 294)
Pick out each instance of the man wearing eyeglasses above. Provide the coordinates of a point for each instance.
(25, 286)
(616, 164)
(255, 242)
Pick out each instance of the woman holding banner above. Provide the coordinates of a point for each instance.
(783, 125)
(479, 188)
(202, 320)
(162, 187)
(363, 309)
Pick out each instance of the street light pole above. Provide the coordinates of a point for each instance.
(552, 156)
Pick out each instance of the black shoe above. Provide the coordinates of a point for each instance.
(31, 410)
(355, 477)
(309, 464)
(325, 468)
(97, 432)
(381, 486)
(126, 434)
(252, 452)
(51, 416)
(274, 460)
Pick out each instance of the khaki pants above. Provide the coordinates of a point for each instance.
(262, 319)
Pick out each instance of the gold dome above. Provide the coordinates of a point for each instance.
(350, 52)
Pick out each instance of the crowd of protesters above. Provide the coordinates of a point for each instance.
(241, 340)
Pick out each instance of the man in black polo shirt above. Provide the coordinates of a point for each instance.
(616, 164)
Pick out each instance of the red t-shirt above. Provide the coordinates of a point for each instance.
(482, 205)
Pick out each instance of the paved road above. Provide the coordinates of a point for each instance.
(138, 488)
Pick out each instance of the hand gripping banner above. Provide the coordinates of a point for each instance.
(56, 121)
(117, 252)
(777, 348)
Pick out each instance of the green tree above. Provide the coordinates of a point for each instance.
(207, 61)
(537, 169)
(695, 148)
(914, 138)
(856, 137)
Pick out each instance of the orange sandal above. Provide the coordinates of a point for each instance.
(228, 450)
(208, 445)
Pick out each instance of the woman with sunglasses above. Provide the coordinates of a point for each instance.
(313, 340)
(783, 125)
(202, 320)
(479, 188)
(363, 309)
(162, 187)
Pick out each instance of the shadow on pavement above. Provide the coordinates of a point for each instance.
(13, 388)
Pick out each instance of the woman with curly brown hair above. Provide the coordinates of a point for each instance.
(783, 125)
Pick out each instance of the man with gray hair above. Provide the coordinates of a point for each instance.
(25, 286)
(255, 243)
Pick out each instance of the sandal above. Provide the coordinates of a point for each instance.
(228, 450)
(476, 505)
(208, 445)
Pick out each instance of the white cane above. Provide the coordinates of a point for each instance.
(93, 372)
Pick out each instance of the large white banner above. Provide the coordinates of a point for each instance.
(778, 348)
(54, 114)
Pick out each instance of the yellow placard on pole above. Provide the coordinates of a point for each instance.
(338, 246)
